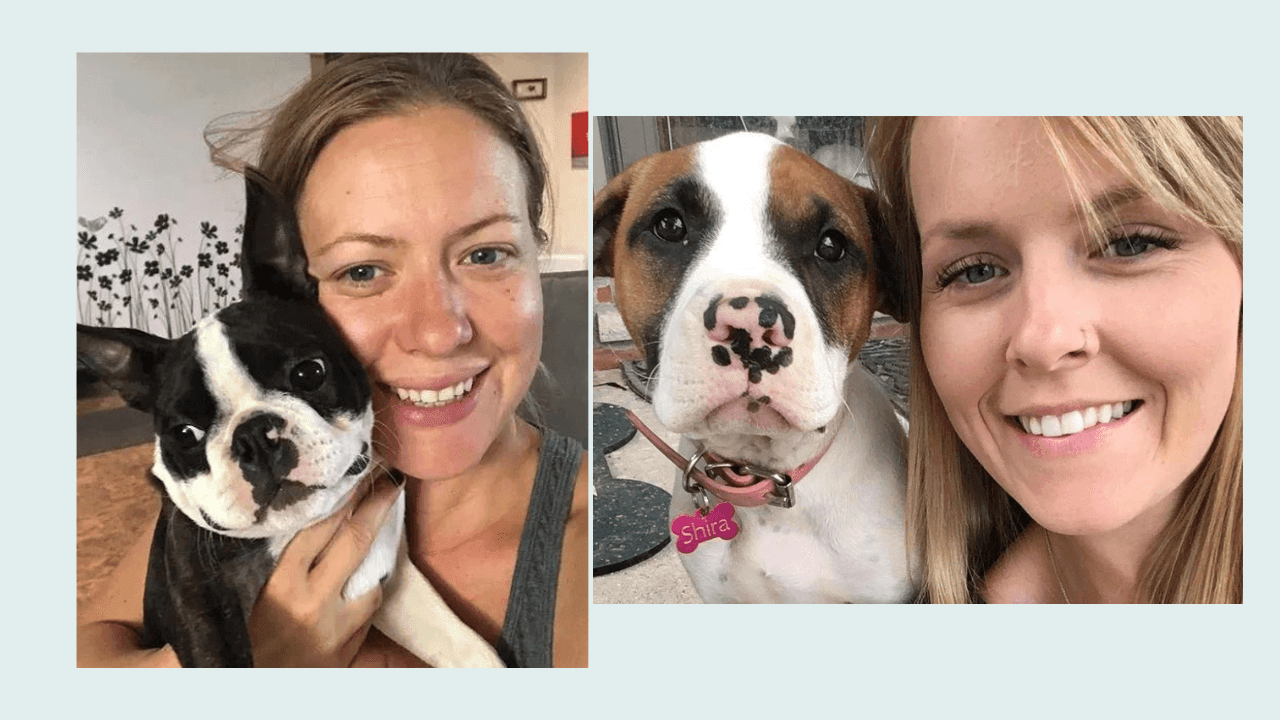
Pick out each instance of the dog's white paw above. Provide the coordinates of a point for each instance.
(381, 560)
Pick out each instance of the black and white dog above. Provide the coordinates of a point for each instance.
(263, 422)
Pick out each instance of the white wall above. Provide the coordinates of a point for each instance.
(139, 140)
(140, 120)
(566, 75)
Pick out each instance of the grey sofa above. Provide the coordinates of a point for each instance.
(563, 391)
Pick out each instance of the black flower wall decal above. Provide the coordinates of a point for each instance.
(142, 281)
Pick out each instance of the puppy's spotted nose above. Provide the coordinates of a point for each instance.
(752, 330)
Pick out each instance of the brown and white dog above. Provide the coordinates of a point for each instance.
(749, 273)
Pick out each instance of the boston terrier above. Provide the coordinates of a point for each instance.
(263, 422)
(748, 275)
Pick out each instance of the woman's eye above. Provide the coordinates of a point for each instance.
(360, 274)
(484, 256)
(1139, 243)
(972, 271)
(669, 226)
(978, 274)
(1130, 246)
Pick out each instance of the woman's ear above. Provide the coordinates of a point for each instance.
(273, 261)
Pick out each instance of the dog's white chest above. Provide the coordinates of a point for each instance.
(844, 541)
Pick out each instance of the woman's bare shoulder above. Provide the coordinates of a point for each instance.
(1022, 574)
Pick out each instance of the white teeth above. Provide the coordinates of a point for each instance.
(1050, 426)
(436, 398)
(1075, 421)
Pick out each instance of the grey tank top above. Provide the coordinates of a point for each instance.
(527, 629)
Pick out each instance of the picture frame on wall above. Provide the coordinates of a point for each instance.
(529, 89)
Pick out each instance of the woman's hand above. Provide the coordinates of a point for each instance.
(300, 618)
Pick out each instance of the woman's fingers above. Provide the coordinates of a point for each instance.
(309, 543)
(353, 538)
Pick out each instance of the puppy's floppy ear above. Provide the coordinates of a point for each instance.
(125, 359)
(609, 203)
(273, 262)
(892, 300)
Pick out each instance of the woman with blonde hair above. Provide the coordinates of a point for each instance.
(1075, 290)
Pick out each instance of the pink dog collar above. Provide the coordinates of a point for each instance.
(739, 484)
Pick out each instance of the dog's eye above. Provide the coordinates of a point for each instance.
(188, 436)
(669, 226)
(307, 375)
(831, 246)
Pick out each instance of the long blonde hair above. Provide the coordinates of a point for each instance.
(959, 516)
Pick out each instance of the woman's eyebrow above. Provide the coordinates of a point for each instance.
(380, 241)
(962, 230)
(477, 226)
(1111, 198)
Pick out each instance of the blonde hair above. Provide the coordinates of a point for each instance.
(959, 516)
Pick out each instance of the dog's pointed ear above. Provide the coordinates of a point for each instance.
(125, 359)
(605, 215)
(273, 261)
(889, 269)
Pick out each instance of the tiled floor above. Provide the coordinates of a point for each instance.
(661, 578)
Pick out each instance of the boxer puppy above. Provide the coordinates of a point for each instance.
(748, 274)
(263, 420)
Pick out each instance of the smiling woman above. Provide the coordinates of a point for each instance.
(419, 190)
(1077, 305)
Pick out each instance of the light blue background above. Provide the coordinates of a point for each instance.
(678, 59)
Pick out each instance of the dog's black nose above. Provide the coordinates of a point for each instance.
(264, 456)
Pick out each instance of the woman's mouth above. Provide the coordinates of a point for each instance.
(436, 398)
(1075, 421)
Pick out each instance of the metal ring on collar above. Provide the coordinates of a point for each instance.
(692, 486)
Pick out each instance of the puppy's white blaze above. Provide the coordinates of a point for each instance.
(736, 170)
(741, 257)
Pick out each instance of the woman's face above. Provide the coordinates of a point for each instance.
(1037, 343)
(417, 230)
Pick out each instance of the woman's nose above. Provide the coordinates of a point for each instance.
(433, 318)
(1053, 328)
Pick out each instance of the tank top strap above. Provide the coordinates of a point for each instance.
(528, 628)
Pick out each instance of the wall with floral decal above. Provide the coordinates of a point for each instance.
(158, 227)
(133, 278)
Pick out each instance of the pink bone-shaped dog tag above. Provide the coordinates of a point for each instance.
(692, 530)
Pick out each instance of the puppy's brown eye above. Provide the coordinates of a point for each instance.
(307, 375)
(188, 436)
(831, 246)
(669, 226)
